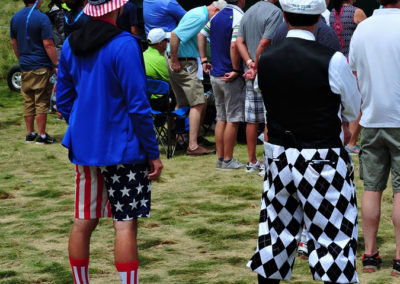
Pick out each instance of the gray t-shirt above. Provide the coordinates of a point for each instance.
(260, 21)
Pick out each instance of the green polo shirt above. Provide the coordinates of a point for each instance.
(156, 66)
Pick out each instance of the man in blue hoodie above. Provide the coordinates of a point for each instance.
(110, 133)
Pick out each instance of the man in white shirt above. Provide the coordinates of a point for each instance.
(309, 93)
(375, 57)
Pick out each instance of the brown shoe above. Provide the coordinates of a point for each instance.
(199, 151)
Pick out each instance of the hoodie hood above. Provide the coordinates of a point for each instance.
(92, 37)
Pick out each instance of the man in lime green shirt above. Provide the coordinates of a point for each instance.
(156, 64)
(154, 60)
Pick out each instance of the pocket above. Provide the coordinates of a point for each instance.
(317, 167)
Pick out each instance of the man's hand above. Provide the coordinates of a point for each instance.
(346, 133)
(252, 65)
(175, 66)
(228, 77)
(250, 74)
(206, 67)
(155, 169)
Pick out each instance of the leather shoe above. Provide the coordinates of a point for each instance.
(199, 151)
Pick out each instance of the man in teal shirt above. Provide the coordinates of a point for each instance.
(182, 69)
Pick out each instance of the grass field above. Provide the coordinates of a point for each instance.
(203, 227)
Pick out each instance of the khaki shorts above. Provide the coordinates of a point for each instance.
(229, 99)
(36, 91)
(380, 155)
(187, 88)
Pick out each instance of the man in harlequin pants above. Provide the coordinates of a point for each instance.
(310, 94)
(101, 92)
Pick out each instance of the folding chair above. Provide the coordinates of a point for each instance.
(162, 118)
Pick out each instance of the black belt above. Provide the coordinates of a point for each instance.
(184, 58)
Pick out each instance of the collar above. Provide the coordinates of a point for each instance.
(301, 34)
(237, 8)
(205, 12)
(386, 11)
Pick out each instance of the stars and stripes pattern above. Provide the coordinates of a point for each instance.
(80, 270)
(128, 272)
(101, 7)
(129, 190)
(91, 200)
(312, 187)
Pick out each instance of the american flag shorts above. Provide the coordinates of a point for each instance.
(91, 200)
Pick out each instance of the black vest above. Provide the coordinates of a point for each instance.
(302, 111)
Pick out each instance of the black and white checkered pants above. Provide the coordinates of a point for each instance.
(313, 187)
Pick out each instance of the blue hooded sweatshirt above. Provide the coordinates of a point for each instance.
(101, 92)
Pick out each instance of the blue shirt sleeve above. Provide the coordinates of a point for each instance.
(175, 10)
(12, 31)
(325, 35)
(47, 32)
(66, 92)
(133, 85)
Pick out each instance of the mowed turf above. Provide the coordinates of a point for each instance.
(202, 229)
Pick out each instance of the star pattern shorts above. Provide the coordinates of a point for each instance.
(129, 190)
(313, 187)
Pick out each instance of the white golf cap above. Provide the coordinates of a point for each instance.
(308, 7)
(157, 35)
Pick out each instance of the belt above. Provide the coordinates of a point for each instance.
(184, 58)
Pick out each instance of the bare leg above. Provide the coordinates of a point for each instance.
(195, 115)
(125, 248)
(266, 133)
(371, 213)
(219, 137)
(396, 222)
(79, 240)
(251, 137)
(41, 122)
(29, 122)
(230, 139)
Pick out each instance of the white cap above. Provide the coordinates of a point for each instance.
(157, 35)
(308, 7)
(220, 4)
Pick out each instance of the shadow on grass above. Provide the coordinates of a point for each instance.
(8, 123)
(220, 239)
(60, 274)
(7, 274)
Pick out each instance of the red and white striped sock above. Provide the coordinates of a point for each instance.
(80, 270)
(128, 272)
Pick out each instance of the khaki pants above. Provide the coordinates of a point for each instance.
(36, 91)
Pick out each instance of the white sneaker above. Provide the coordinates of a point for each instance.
(302, 251)
(252, 168)
(261, 173)
(232, 165)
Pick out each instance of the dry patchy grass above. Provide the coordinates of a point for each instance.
(203, 227)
